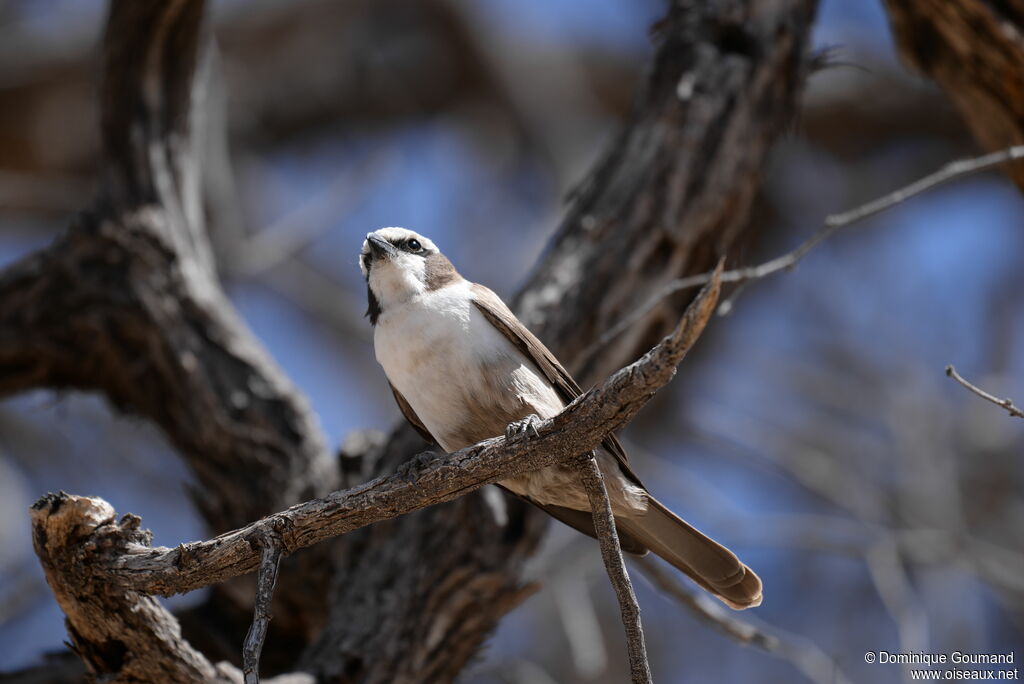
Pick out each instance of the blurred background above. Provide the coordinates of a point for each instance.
(812, 430)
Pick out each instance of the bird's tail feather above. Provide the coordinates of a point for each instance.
(705, 561)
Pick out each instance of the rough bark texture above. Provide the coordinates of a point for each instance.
(974, 50)
(615, 565)
(668, 198)
(113, 630)
(119, 634)
(127, 304)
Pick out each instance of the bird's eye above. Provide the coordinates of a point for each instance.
(414, 245)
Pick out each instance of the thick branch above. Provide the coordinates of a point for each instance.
(127, 302)
(611, 554)
(974, 50)
(121, 636)
(581, 426)
(114, 631)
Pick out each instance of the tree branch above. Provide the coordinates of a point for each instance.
(582, 425)
(611, 554)
(973, 50)
(270, 561)
(120, 635)
(1004, 403)
(127, 303)
(111, 630)
(804, 655)
(832, 224)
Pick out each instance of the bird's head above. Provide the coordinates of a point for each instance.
(399, 264)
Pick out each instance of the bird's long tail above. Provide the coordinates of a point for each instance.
(705, 561)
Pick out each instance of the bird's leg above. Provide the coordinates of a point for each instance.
(523, 429)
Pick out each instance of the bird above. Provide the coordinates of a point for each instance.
(462, 368)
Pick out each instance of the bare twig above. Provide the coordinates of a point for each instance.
(611, 553)
(270, 561)
(1005, 403)
(832, 223)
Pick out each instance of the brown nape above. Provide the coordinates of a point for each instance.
(440, 271)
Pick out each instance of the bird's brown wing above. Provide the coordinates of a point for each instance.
(502, 318)
(411, 416)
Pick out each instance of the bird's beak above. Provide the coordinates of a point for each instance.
(379, 247)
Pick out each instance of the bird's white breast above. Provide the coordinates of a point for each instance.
(460, 375)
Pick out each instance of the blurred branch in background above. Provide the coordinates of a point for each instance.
(973, 49)
(831, 224)
(802, 653)
(1004, 403)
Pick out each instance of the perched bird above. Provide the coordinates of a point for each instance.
(463, 368)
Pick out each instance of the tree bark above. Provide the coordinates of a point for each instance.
(127, 303)
(974, 50)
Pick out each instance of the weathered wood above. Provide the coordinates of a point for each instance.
(121, 635)
(615, 565)
(127, 303)
(974, 50)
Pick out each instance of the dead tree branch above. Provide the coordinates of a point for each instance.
(973, 50)
(270, 561)
(127, 302)
(1004, 403)
(611, 554)
(121, 635)
(111, 630)
(832, 224)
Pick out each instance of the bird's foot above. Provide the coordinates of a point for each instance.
(523, 429)
(409, 470)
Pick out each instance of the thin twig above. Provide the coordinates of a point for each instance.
(1005, 403)
(611, 553)
(802, 653)
(832, 223)
(270, 560)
